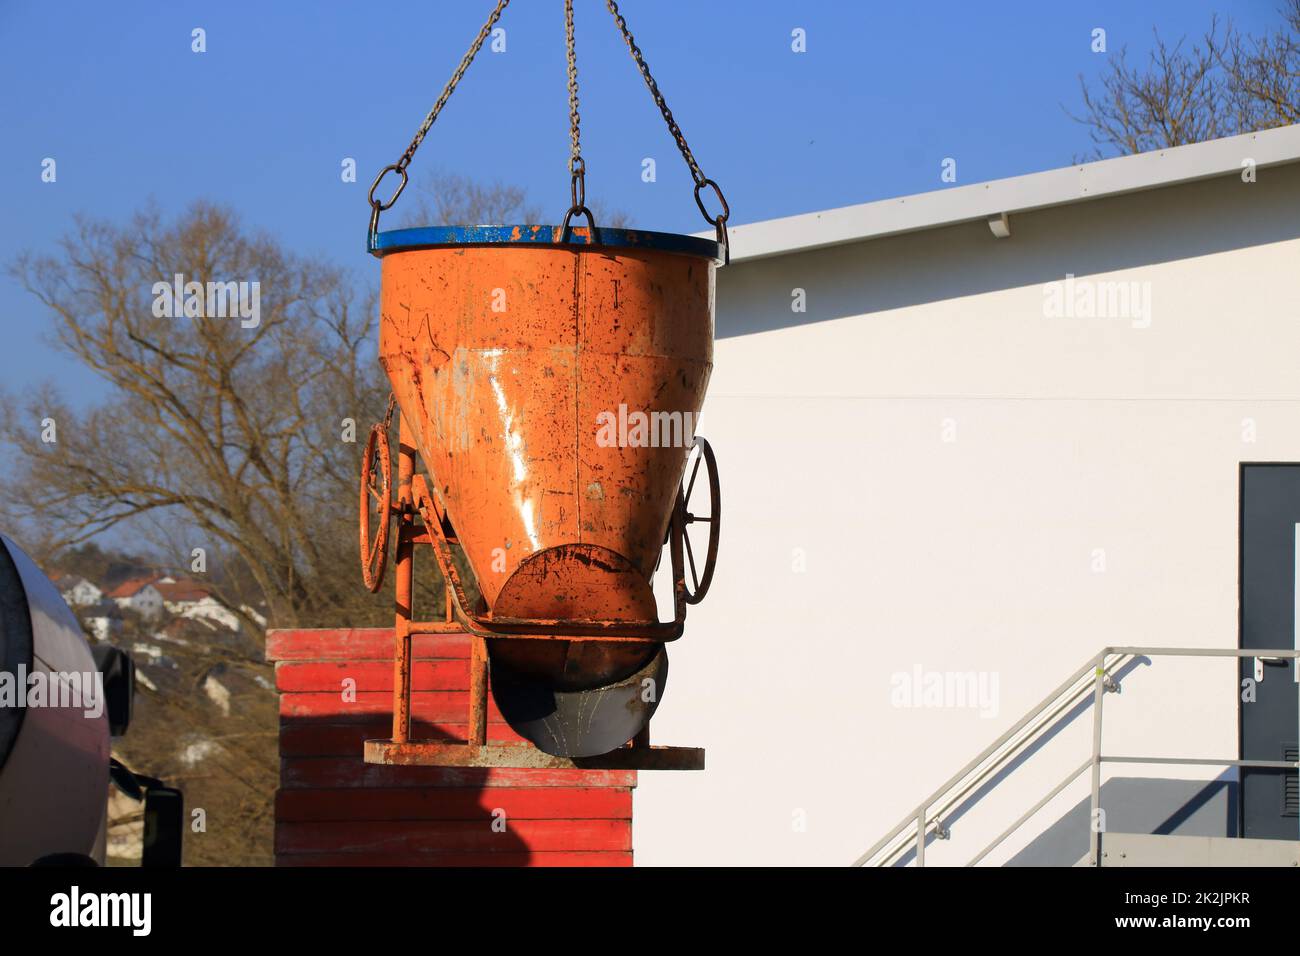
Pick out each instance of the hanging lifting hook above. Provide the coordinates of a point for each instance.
(377, 206)
(578, 193)
(582, 211)
(718, 222)
(577, 165)
(578, 182)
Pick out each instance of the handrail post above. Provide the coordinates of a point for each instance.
(1094, 818)
(920, 836)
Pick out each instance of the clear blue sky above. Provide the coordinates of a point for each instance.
(286, 90)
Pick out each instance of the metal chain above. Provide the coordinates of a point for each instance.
(719, 222)
(577, 166)
(451, 84)
(639, 57)
(575, 147)
(378, 206)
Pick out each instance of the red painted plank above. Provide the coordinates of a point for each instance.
(329, 772)
(357, 643)
(435, 706)
(413, 803)
(328, 676)
(333, 809)
(306, 737)
(558, 858)
(463, 835)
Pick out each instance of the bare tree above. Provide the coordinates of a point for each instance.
(1264, 73)
(452, 199)
(241, 437)
(1225, 85)
(233, 429)
(607, 218)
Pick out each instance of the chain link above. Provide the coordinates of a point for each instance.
(719, 222)
(451, 84)
(673, 128)
(577, 166)
(399, 167)
(575, 147)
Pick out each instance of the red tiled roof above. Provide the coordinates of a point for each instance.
(182, 591)
(132, 586)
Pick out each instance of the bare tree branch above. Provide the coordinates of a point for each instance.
(233, 435)
(1225, 85)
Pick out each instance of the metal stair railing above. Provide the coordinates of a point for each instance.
(980, 775)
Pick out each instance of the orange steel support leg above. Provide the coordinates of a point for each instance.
(478, 682)
(404, 585)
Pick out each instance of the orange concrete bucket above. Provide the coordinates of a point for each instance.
(551, 384)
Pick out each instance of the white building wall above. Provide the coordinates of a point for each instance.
(1072, 437)
(83, 594)
(147, 602)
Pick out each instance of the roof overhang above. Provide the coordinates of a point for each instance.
(999, 197)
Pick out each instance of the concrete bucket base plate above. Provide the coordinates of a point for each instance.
(525, 756)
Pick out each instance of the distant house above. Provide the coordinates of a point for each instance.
(77, 591)
(102, 620)
(140, 595)
(178, 594)
(189, 598)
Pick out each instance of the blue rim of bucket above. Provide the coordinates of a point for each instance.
(428, 237)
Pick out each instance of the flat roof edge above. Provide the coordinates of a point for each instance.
(1055, 187)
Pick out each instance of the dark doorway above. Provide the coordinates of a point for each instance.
(1269, 582)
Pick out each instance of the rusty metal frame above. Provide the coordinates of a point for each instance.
(413, 498)
(651, 632)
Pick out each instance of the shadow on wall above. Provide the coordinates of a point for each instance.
(1139, 805)
(1101, 236)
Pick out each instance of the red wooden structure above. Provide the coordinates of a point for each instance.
(334, 809)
